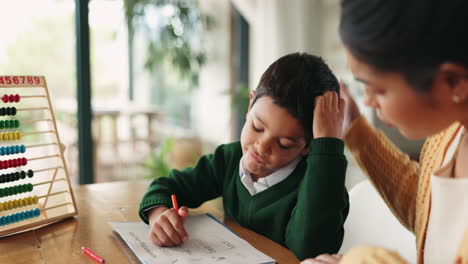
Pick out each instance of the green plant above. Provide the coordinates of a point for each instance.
(173, 153)
(175, 38)
(157, 164)
(240, 99)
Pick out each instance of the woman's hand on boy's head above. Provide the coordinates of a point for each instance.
(351, 110)
(328, 115)
(167, 226)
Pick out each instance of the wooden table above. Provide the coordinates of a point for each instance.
(99, 204)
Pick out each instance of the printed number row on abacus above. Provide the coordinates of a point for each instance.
(20, 80)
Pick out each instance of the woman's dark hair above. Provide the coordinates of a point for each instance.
(413, 37)
(293, 82)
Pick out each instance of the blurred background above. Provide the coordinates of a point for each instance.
(169, 80)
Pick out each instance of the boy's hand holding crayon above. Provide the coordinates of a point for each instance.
(328, 115)
(167, 225)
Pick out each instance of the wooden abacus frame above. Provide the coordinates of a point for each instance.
(57, 201)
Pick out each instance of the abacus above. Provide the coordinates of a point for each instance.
(35, 188)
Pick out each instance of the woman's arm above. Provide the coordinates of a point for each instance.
(462, 253)
(372, 255)
(391, 171)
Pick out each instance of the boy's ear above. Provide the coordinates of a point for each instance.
(251, 95)
(305, 151)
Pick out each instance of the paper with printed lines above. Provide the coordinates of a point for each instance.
(210, 242)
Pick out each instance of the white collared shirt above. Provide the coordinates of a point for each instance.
(265, 182)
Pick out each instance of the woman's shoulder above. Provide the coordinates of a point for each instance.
(436, 146)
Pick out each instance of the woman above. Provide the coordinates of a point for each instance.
(412, 57)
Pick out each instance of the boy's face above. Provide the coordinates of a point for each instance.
(271, 137)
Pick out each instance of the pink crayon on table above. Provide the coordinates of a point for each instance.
(93, 255)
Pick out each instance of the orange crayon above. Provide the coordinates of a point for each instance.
(174, 203)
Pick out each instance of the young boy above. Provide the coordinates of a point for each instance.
(284, 179)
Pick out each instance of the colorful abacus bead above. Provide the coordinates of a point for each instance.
(15, 176)
(9, 110)
(13, 204)
(6, 136)
(6, 124)
(20, 216)
(10, 177)
(11, 98)
(12, 190)
(5, 164)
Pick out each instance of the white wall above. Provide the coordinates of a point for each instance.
(279, 27)
(211, 101)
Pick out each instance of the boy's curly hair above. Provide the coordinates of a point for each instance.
(293, 82)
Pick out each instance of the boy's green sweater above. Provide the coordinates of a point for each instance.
(305, 212)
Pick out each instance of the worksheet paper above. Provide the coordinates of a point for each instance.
(210, 242)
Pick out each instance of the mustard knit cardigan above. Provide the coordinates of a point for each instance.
(403, 184)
